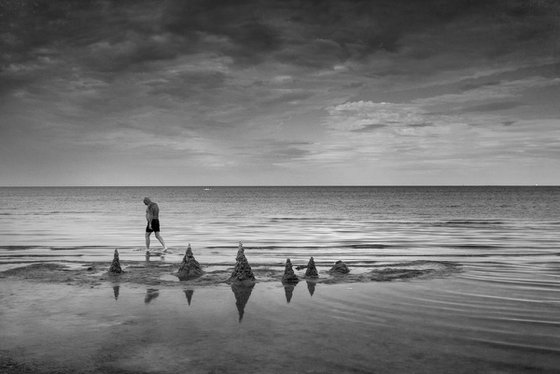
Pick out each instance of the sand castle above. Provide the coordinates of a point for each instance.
(190, 268)
(242, 271)
(339, 268)
(243, 281)
(289, 280)
(311, 271)
(115, 265)
(243, 276)
(289, 275)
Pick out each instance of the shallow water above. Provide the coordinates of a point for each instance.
(499, 314)
(461, 324)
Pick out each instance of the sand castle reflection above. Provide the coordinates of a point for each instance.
(189, 295)
(289, 290)
(151, 293)
(311, 287)
(116, 290)
(242, 293)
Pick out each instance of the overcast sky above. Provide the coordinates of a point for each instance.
(280, 92)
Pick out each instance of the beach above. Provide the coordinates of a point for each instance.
(279, 187)
(79, 318)
(440, 280)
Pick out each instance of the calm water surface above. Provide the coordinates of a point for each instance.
(499, 314)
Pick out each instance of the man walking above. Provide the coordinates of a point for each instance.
(152, 216)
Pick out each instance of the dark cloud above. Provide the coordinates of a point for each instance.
(473, 84)
(128, 54)
(240, 22)
(491, 107)
(370, 127)
(110, 35)
(286, 153)
(188, 84)
(319, 53)
(549, 70)
(424, 124)
(287, 97)
(49, 24)
(265, 151)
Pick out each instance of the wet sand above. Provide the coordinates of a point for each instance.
(158, 272)
(419, 316)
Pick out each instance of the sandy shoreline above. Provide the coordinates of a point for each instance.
(165, 274)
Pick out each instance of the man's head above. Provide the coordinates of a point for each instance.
(147, 201)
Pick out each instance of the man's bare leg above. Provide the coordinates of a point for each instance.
(148, 241)
(158, 237)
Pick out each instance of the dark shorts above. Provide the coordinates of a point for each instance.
(155, 226)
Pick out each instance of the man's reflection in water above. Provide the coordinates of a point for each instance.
(151, 293)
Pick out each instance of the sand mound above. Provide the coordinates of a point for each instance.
(242, 271)
(339, 268)
(190, 268)
(116, 264)
(311, 271)
(289, 275)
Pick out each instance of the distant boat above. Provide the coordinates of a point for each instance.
(207, 189)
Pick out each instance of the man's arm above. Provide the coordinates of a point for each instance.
(149, 216)
(153, 211)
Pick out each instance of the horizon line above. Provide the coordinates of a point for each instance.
(283, 185)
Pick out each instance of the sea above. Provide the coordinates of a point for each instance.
(499, 313)
(512, 224)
